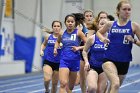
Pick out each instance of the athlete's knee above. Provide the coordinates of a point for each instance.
(54, 84)
(102, 87)
(115, 84)
(63, 83)
(92, 88)
(54, 81)
(47, 78)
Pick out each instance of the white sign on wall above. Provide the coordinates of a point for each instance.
(7, 40)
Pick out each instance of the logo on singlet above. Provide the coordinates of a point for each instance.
(98, 46)
(120, 30)
(51, 41)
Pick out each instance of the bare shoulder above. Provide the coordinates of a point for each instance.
(91, 38)
(47, 36)
(135, 26)
(79, 32)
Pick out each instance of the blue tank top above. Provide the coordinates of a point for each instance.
(97, 53)
(49, 50)
(85, 30)
(119, 49)
(69, 40)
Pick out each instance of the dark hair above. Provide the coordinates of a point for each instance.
(110, 17)
(70, 15)
(56, 21)
(79, 18)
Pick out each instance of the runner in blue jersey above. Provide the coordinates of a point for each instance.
(121, 37)
(88, 18)
(84, 23)
(70, 56)
(79, 24)
(51, 62)
(96, 78)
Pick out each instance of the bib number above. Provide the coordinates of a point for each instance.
(73, 37)
(125, 41)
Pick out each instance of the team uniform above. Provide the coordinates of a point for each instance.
(119, 48)
(49, 57)
(85, 30)
(69, 58)
(96, 55)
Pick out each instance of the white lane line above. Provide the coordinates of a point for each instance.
(78, 89)
(128, 76)
(16, 79)
(130, 83)
(131, 75)
(37, 90)
(41, 90)
(50, 88)
(22, 87)
(23, 82)
(73, 90)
